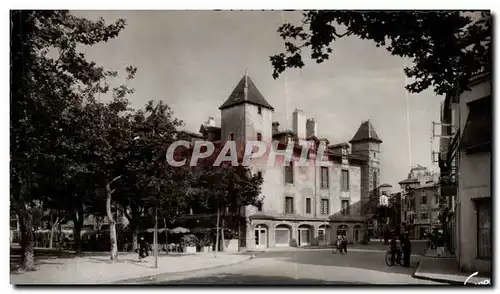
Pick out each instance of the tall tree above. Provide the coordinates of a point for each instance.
(42, 88)
(152, 131)
(447, 48)
(225, 189)
(108, 153)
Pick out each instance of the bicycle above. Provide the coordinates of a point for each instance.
(338, 247)
(388, 258)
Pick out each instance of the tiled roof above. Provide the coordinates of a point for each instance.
(207, 128)
(339, 145)
(408, 181)
(284, 132)
(191, 134)
(246, 92)
(366, 132)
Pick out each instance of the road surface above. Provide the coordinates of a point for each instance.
(305, 266)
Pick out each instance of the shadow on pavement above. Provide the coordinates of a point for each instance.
(355, 259)
(250, 280)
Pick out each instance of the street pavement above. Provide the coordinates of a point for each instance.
(305, 266)
(99, 269)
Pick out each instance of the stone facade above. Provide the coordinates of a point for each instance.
(312, 204)
(474, 197)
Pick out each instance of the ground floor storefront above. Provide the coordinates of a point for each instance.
(290, 233)
(473, 235)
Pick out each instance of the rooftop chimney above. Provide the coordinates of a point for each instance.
(210, 121)
(276, 126)
(311, 128)
(299, 124)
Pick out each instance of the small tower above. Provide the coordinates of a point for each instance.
(246, 115)
(366, 143)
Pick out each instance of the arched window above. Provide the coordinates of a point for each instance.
(342, 230)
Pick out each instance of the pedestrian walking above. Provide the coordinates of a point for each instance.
(344, 243)
(393, 247)
(406, 244)
(143, 249)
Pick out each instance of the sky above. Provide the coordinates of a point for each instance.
(192, 60)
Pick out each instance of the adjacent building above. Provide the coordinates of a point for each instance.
(420, 202)
(465, 162)
(395, 206)
(303, 205)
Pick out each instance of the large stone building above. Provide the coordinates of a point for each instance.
(465, 162)
(303, 205)
(420, 202)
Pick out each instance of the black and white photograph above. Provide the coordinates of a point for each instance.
(262, 147)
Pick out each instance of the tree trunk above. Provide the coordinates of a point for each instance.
(132, 223)
(59, 233)
(77, 230)
(217, 233)
(52, 229)
(112, 224)
(223, 225)
(77, 233)
(27, 249)
(166, 232)
(223, 248)
(134, 239)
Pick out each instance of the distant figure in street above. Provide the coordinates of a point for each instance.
(344, 243)
(406, 244)
(143, 248)
(395, 252)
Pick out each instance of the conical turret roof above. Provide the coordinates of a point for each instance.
(246, 92)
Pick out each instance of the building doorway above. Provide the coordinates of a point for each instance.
(324, 235)
(260, 232)
(357, 234)
(282, 235)
(342, 230)
(304, 235)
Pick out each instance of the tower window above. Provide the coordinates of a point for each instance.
(324, 177)
(289, 173)
(259, 137)
(345, 207)
(344, 180)
(288, 205)
(259, 109)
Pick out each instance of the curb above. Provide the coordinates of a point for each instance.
(151, 278)
(450, 282)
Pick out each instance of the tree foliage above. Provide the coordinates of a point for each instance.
(48, 76)
(447, 48)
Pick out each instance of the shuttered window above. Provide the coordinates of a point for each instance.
(289, 205)
(289, 173)
(344, 180)
(325, 207)
(324, 177)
